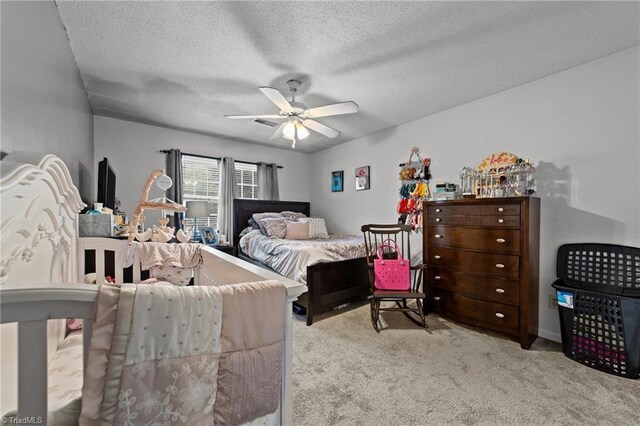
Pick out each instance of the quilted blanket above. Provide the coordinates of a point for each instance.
(200, 355)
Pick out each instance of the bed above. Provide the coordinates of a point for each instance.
(39, 275)
(331, 284)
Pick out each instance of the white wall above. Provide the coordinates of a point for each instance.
(44, 108)
(581, 127)
(131, 150)
(44, 105)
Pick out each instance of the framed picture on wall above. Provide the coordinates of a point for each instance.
(337, 181)
(363, 178)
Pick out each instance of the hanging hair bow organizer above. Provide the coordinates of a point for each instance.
(414, 189)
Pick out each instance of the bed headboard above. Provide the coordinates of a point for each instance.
(243, 210)
(39, 206)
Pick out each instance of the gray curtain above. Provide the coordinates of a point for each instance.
(228, 191)
(268, 182)
(174, 171)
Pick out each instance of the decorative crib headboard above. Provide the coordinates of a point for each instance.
(38, 240)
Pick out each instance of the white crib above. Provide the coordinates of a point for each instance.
(42, 260)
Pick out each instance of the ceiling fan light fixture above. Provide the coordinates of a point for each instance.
(295, 129)
(289, 130)
(298, 117)
(302, 131)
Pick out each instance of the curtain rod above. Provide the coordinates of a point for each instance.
(165, 151)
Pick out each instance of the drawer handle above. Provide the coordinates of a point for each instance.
(437, 277)
(437, 257)
(501, 240)
(499, 315)
(499, 265)
(436, 298)
(438, 219)
(438, 210)
(438, 236)
(500, 209)
(500, 220)
(499, 290)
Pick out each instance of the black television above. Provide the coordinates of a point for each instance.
(106, 185)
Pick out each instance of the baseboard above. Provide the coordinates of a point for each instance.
(549, 335)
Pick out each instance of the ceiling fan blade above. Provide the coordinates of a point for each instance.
(279, 131)
(276, 97)
(348, 107)
(321, 128)
(253, 117)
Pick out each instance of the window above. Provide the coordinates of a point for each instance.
(201, 181)
(247, 180)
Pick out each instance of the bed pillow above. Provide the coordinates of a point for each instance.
(274, 227)
(246, 230)
(317, 227)
(297, 231)
(253, 224)
(293, 215)
(259, 217)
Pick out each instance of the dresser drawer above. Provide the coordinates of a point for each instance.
(485, 288)
(475, 210)
(491, 239)
(494, 315)
(447, 210)
(468, 220)
(501, 209)
(499, 265)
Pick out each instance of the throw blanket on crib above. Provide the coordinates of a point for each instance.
(185, 255)
(185, 355)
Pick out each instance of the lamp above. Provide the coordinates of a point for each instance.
(195, 210)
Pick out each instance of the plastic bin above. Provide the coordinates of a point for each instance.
(598, 293)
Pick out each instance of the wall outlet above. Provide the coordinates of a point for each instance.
(553, 301)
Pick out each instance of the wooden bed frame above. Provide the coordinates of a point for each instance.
(331, 285)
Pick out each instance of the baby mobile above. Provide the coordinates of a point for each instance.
(414, 189)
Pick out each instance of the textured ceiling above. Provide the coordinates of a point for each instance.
(185, 64)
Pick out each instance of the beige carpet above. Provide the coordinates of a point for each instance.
(346, 374)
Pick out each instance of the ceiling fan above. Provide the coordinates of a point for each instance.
(299, 117)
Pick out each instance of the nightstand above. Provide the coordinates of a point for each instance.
(227, 249)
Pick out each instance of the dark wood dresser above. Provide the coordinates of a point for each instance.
(482, 257)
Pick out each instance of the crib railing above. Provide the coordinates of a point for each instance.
(100, 246)
(31, 305)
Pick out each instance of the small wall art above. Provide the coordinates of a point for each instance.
(337, 181)
(363, 178)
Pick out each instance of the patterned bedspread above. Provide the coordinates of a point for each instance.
(290, 258)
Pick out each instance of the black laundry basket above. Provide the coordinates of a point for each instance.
(598, 293)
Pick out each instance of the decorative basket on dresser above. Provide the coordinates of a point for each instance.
(482, 257)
